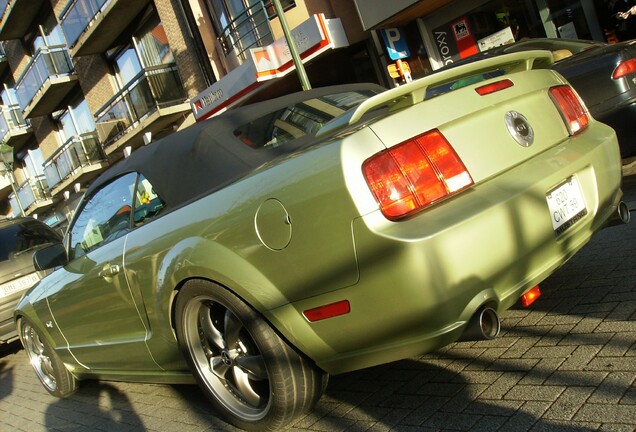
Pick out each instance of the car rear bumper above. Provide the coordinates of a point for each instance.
(422, 279)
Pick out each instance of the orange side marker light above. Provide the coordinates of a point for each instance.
(529, 297)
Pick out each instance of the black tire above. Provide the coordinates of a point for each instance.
(254, 379)
(48, 367)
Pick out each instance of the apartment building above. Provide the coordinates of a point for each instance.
(86, 82)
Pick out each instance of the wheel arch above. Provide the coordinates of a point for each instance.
(264, 316)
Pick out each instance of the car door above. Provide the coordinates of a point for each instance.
(94, 308)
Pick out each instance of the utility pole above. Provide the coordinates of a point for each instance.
(300, 68)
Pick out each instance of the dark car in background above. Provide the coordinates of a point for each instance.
(19, 239)
(603, 74)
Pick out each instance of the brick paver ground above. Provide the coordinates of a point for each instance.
(567, 363)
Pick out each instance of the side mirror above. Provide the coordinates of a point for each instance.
(49, 257)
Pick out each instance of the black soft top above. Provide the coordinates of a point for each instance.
(212, 154)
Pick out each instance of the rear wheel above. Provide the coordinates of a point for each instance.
(250, 374)
(48, 367)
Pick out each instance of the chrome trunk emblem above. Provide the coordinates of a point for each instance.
(519, 128)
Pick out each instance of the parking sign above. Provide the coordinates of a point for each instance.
(395, 42)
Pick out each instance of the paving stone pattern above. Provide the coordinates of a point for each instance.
(566, 363)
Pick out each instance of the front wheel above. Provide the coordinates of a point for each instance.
(50, 370)
(254, 379)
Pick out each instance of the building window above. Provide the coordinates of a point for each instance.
(148, 48)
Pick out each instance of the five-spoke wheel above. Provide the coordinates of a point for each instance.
(251, 375)
(54, 376)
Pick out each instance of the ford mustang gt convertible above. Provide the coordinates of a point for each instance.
(323, 232)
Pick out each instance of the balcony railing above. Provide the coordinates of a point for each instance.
(77, 16)
(11, 120)
(48, 62)
(77, 152)
(31, 191)
(248, 30)
(152, 88)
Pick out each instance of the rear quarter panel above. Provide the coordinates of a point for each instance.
(218, 238)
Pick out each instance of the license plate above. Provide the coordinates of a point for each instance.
(566, 205)
(19, 284)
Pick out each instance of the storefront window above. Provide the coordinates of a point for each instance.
(495, 23)
(569, 19)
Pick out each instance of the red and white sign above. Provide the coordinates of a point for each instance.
(312, 38)
(464, 38)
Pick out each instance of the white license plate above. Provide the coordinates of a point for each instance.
(566, 205)
(19, 284)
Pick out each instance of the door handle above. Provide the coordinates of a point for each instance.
(109, 271)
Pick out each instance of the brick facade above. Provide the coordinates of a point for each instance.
(182, 46)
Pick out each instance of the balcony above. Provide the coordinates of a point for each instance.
(34, 196)
(154, 100)
(92, 26)
(14, 129)
(17, 16)
(79, 160)
(47, 80)
(248, 30)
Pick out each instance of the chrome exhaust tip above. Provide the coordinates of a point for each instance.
(622, 215)
(484, 325)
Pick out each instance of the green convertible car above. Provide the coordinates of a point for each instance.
(323, 232)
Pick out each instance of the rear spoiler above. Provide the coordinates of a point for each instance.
(415, 91)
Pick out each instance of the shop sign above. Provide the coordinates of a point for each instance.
(502, 37)
(455, 41)
(312, 37)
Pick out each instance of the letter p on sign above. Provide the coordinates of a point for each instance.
(395, 43)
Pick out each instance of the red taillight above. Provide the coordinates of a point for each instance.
(494, 87)
(328, 311)
(624, 68)
(415, 174)
(571, 108)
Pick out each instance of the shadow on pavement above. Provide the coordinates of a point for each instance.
(424, 395)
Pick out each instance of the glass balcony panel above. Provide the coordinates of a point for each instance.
(52, 175)
(78, 16)
(153, 88)
(77, 152)
(65, 164)
(26, 194)
(248, 30)
(47, 62)
(15, 208)
(4, 125)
